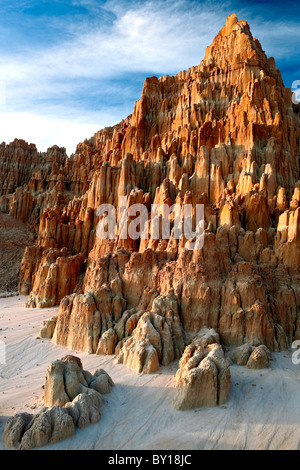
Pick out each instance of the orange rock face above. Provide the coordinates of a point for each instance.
(224, 134)
(56, 275)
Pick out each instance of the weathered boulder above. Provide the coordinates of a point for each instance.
(139, 355)
(239, 355)
(250, 356)
(47, 328)
(100, 381)
(259, 358)
(25, 431)
(203, 376)
(85, 409)
(65, 379)
(73, 397)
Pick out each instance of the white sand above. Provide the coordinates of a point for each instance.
(263, 411)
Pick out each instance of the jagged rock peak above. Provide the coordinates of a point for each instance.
(234, 45)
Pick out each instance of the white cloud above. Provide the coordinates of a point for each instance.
(46, 131)
(152, 37)
(149, 37)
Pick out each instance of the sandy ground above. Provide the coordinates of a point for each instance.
(263, 410)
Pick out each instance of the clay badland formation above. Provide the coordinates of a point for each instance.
(225, 134)
(73, 398)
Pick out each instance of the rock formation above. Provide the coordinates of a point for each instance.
(203, 376)
(224, 134)
(72, 398)
(66, 379)
(25, 431)
(252, 357)
(56, 277)
(47, 328)
(259, 358)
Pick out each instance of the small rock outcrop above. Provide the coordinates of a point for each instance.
(253, 357)
(47, 328)
(73, 398)
(157, 339)
(85, 409)
(259, 358)
(203, 377)
(66, 379)
(142, 337)
(26, 431)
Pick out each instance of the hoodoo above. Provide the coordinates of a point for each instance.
(225, 134)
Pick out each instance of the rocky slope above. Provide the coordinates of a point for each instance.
(14, 238)
(224, 134)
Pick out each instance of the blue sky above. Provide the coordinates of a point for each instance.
(71, 67)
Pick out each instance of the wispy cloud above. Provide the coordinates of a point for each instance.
(103, 55)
